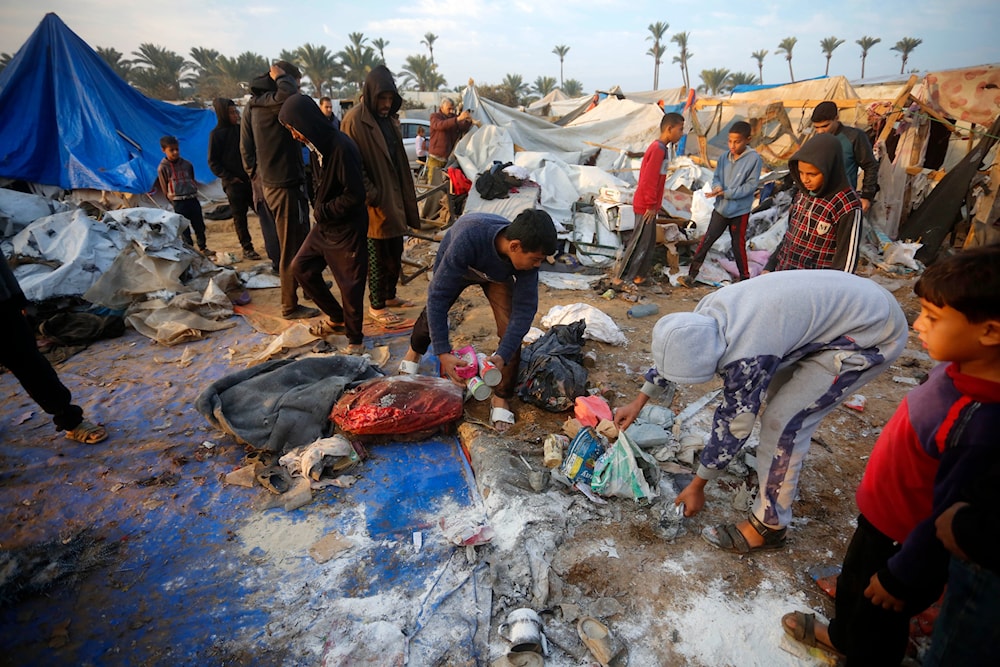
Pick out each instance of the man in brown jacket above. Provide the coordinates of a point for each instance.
(392, 201)
(447, 128)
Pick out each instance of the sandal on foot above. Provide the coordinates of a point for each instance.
(729, 538)
(354, 349)
(387, 319)
(408, 367)
(501, 416)
(399, 303)
(804, 631)
(328, 328)
(88, 433)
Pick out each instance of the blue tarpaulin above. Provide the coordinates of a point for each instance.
(67, 119)
(192, 572)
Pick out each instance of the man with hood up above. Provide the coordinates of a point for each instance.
(373, 124)
(225, 162)
(824, 223)
(806, 341)
(270, 152)
(338, 239)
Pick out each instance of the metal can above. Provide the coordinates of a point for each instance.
(478, 388)
(488, 371)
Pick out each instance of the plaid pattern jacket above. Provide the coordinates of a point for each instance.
(823, 233)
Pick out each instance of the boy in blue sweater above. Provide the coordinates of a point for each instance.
(733, 186)
(502, 258)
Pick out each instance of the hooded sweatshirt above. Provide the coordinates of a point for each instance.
(224, 146)
(340, 192)
(267, 148)
(824, 227)
(388, 180)
(747, 331)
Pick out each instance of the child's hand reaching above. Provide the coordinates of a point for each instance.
(881, 597)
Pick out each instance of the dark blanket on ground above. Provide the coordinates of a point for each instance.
(281, 404)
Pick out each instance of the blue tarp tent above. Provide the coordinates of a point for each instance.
(67, 119)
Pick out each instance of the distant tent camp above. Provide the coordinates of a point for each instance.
(67, 119)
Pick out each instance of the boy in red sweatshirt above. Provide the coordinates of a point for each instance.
(940, 439)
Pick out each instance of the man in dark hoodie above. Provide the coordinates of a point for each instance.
(392, 201)
(268, 150)
(338, 240)
(225, 162)
(824, 223)
(856, 147)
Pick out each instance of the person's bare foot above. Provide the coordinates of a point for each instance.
(501, 418)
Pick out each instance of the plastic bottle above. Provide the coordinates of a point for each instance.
(643, 309)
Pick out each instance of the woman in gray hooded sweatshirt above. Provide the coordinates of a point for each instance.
(805, 340)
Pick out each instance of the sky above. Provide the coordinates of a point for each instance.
(487, 39)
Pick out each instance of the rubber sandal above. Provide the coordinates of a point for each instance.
(399, 303)
(88, 433)
(804, 631)
(409, 367)
(328, 328)
(729, 538)
(387, 319)
(501, 415)
(596, 637)
(354, 349)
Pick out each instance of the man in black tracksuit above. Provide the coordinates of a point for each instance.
(225, 162)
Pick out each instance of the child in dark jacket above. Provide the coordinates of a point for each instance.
(225, 162)
(176, 178)
(937, 442)
(824, 223)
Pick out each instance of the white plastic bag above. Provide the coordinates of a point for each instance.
(600, 326)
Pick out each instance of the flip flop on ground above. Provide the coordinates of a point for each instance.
(88, 433)
(399, 303)
(802, 628)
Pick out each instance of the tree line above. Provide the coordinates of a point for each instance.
(205, 73)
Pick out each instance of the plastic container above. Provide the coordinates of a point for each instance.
(468, 355)
(643, 310)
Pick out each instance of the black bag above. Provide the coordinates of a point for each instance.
(551, 374)
(494, 183)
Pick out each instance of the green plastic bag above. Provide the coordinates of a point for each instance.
(625, 470)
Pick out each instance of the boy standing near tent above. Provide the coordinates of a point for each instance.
(824, 223)
(940, 439)
(638, 253)
(225, 162)
(176, 179)
(733, 187)
(856, 147)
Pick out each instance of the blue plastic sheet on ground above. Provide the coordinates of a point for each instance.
(191, 572)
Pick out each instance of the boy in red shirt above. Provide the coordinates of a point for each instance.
(638, 256)
(940, 438)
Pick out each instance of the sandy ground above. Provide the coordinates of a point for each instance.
(670, 602)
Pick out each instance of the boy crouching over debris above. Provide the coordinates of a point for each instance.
(940, 439)
(806, 340)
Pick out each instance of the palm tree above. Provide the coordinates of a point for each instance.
(572, 88)
(759, 56)
(543, 85)
(289, 57)
(428, 41)
(233, 75)
(786, 46)
(320, 65)
(657, 31)
(561, 51)
(514, 86)
(380, 45)
(742, 79)
(204, 59)
(422, 73)
(866, 43)
(828, 45)
(681, 40)
(905, 47)
(159, 72)
(357, 59)
(112, 57)
(714, 81)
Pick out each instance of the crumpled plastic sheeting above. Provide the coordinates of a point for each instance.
(600, 326)
(902, 254)
(170, 324)
(19, 209)
(157, 232)
(574, 281)
(300, 461)
(684, 172)
(281, 404)
(84, 247)
(294, 336)
(133, 274)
